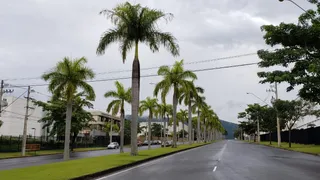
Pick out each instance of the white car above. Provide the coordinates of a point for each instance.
(113, 145)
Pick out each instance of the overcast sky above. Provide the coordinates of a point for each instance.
(36, 34)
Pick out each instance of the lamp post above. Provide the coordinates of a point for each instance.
(300, 7)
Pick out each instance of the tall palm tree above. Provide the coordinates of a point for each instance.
(207, 113)
(198, 104)
(150, 105)
(188, 94)
(135, 24)
(174, 78)
(182, 117)
(121, 96)
(162, 111)
(64, 80)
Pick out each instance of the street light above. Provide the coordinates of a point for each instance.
(300, 8)
(258, 98)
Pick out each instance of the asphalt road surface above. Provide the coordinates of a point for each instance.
(227, 160)
(38, 160)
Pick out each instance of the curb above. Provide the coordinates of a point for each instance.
(122, 167)
(17, 157)
(287, 149)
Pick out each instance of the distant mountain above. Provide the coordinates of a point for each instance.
(229, 127)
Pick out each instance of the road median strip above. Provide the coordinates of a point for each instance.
(88, 168)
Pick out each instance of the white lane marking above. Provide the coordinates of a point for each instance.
(145, 164)
(220, 153)
(214, 169)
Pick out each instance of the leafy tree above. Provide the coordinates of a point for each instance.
(54, 119)
(156, 129)
(173, 78)
(109, 128)
(188, 95)
(135, 24)
(292, 111)
(127, 131)
(150, 105)
(1, 122)
(298, 51)
(64, 80)
(121, 96)
(182, 133)
(249, 127)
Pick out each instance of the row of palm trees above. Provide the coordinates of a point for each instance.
(133, 24)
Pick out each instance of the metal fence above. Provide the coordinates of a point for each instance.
(13, 143)
(300, 136)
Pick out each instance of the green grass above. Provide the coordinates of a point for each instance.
(46, 152)
(306, 148)
(80, 167)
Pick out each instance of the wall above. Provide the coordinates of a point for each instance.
(13, 118)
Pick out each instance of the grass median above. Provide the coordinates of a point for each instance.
(46, 152)
(76, 168)
(305, 148)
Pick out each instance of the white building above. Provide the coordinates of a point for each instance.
(13, 115)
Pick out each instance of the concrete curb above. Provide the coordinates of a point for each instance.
(118, 168)
(284, 149)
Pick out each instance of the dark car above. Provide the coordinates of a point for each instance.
(145, 143)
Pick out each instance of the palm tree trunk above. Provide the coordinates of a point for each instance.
(270, 137)
(189, 123)
(258, 131)
(198, 127)
(122, 128)
(182, 132)
(204, 131)
(164, 130)
(290, 138)
(174, 116)
(66, 152)
(149, 131)
(135, 101)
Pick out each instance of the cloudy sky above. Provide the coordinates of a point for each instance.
(36, 34)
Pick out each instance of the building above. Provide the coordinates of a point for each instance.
(98, 122)
(13, 114)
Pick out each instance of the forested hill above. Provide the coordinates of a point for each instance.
(230, 127)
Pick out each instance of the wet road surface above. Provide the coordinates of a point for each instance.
(39, 160)
(227, 160)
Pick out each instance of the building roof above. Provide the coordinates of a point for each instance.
(104, 114)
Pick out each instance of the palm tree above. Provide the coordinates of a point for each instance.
(182, 117)
(206, 115)
(134, 24)
(121, 96)
(109, 128)
(198, 103)
(64, 80)
(188, 94)
(174, 78)
(151, 105)
(162, 111)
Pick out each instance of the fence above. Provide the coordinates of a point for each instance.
(13, 143)
(300, 136)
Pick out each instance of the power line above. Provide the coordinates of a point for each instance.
(150, 68)
(14, 101)
(152, 75)
(21, 114)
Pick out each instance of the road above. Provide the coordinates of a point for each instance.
(39, 160)
(227, 160)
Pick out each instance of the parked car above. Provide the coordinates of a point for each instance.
(166, 144)
(139, 143)
(113, 145)
(156, 142)
(145, 143)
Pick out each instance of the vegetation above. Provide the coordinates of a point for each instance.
(305, 148)
(76, 168)
(121, 96)
(150, 105)
(135, 24)
(64, 80)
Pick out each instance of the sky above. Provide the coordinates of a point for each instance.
(36, 34)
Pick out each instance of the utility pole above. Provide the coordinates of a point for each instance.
(275, 90)
(24, 138)
(1, 92)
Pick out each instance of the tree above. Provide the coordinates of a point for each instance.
(292, 111)
(156, 129)
(248, 127)
(109, 128)
(188, 94)
(64, 80)
(298, 51)
(54, 119)
(135, 24)
(254, 112)
(121, 96)
(175, 78)
(198, 104)
(150, 105)
(162, 111)
(1, 122)
(182, 117)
